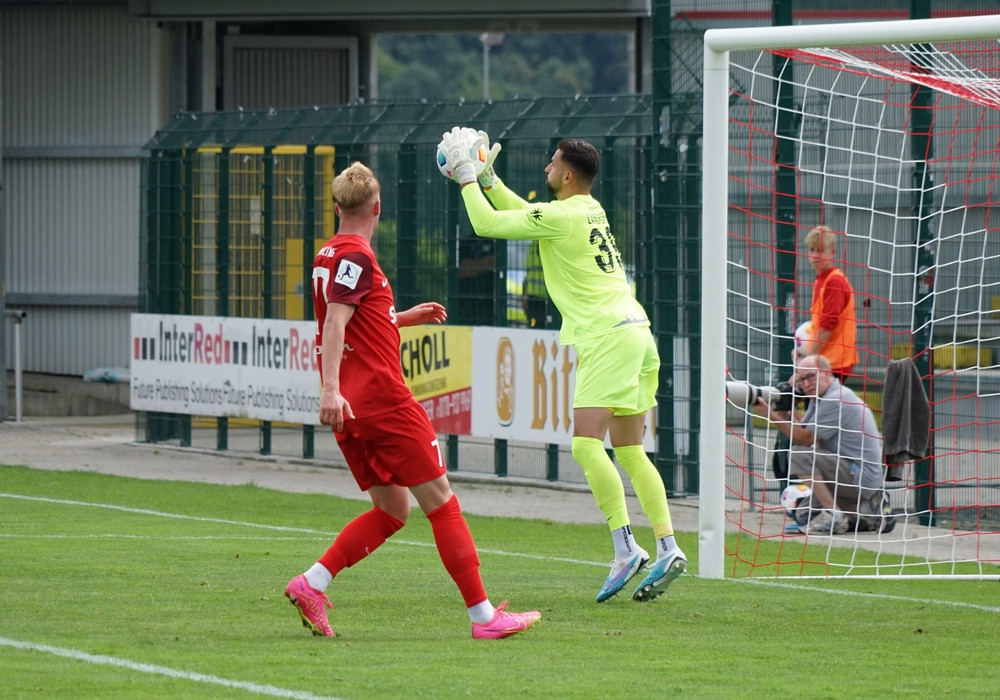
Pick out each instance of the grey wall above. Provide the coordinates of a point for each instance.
(81, 88)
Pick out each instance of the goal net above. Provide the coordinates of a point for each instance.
(888, 135)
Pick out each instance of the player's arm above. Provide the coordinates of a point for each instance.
(456, 147)
(504, 198)
(527, 224)
(333, 407)
(428, 312)
(788, 423)
(501, 196)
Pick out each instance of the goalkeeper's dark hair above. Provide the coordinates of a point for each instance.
(581, 157)
(355, 187)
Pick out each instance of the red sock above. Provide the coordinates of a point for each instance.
(457, 550)
(359, 538)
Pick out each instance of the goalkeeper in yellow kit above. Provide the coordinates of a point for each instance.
(616, 376)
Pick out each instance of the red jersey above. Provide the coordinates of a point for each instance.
(371, 377)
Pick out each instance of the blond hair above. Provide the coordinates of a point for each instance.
(822, 238)
(355, 187)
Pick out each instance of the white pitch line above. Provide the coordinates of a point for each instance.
(161, 514)
(118, 536)
(153, 669)
(280, 528)
(539, 557)
(881, 596)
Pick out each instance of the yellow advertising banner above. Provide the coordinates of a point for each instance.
(437, 366)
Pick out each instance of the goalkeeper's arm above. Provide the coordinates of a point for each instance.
(515, 224)
(499, 194)
(503, 197)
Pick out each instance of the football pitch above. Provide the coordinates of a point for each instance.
(116, 587)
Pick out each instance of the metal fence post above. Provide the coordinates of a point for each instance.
(921, 133)
(18, 317)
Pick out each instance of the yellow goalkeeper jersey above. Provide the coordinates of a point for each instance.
(582, 266)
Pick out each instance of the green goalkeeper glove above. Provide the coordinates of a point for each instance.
(457, 148)
(488, 178)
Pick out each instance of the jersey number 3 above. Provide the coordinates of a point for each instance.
(605, 243)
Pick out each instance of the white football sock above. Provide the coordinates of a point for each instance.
(482, 613)
(665, 546)
(319, 577)
(625, 546)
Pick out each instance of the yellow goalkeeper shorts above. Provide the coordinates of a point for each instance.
(618, 371)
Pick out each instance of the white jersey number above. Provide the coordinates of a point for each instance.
(321, 281)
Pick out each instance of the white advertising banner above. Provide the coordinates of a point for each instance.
(211, 366)
(523, 387)
(518, 383)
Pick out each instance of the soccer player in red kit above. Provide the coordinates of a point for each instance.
(385, 435)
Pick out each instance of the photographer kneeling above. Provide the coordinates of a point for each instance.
(836, 449)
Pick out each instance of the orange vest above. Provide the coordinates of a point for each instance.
(841, 348)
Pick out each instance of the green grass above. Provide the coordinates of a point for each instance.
(201, 593)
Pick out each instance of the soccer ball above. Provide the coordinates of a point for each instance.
(795, 500)
(442, 161)
(802, 335)
(477, 152)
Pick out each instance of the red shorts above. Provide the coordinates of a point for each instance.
(396, 447)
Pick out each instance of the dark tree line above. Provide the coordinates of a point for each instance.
(437, 67)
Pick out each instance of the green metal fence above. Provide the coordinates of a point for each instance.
(236, 203)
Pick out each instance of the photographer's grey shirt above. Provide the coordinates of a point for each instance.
(845, 426)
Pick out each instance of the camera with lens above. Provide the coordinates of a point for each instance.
(743, 394)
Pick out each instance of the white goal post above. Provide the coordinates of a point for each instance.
(716, 496)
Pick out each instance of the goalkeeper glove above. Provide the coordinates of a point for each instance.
(457, 149)
(488, 178)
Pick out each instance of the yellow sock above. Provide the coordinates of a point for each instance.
(603, 479)
(648, 488)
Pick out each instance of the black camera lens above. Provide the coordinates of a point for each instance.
(785, 398)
